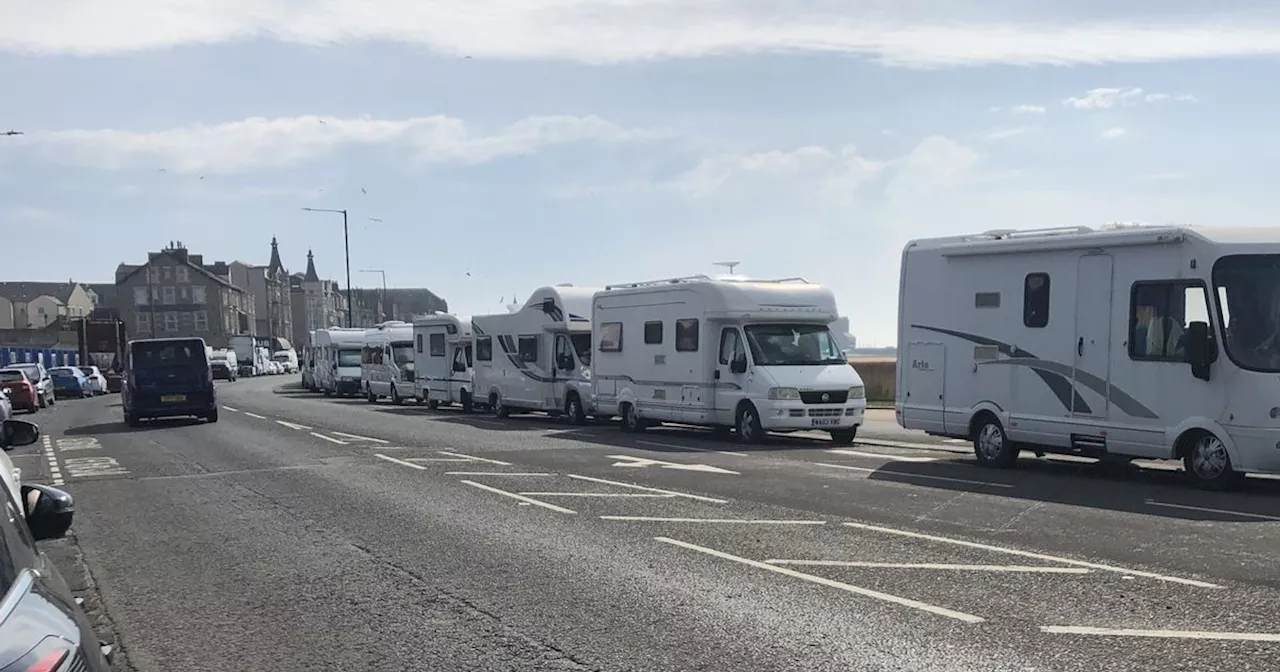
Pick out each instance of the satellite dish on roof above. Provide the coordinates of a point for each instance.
(727, 264)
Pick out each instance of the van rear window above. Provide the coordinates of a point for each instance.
(168, 353)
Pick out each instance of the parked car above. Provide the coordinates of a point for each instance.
(6, 408)
(166, 378)
(20, 390)
(115, 381)
(68, 381)
(41, 625)
(39, 376)
(97, 381)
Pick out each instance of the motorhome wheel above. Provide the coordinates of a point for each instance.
(573, 410)
(1208, 463)
(990, 444)
(749, 429)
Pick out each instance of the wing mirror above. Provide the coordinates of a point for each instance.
(739, 364)
(14, 433)
(48, 511)
(1200, 350)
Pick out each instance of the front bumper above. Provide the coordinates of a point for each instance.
(350, 386)
(793, 416)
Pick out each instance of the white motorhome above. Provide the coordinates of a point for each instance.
(337, 368)
(1118, 343)
(386, 363)
(754, 355)
(443, 360)
(288, 360)
(308, 366)
(537, 358)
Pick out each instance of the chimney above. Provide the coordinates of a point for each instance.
(197, 259)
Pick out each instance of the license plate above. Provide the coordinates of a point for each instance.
(824, 422)
(172, 398)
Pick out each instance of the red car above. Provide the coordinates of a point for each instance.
(22, 393)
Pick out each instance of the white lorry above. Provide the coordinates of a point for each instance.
(443, 360)
(337, 368)
(1117, 343)
(537, 358)
(386, 363)
(753, 355)
(246, 354)
(287, 359)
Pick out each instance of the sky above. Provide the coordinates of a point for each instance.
(484, 148)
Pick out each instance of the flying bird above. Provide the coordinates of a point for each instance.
(14, 133)
(161, 170)
(468, 274)
(374, 219)
(363, 191)
(322, 122)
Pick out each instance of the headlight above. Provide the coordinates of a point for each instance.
(586, 373)
(857, 392)
(784, 393)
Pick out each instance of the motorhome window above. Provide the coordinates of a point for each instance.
(611, 337)
(349, 357)
(687, 335)
(437, 345)
(582, 345)
(1247, 287)
(402, 353)
(730, 345)
(653, 333)
(418, 342)
(452, 329)
(484, 348)
(528, 348)
(1159, 313)
(1035, 301)
(793, 345)
(366, 355)
(986, 300)
(468, 356)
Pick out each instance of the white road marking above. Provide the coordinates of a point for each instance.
(740, 521)
(473, 457)
(620, 484)
(357, 437)
(639, 462)
(55, 472)
(318, 435)
(694, 448)
(962, 441)
(866, 592)
(911, 475)
(77, 467)
(497, 473)
(595, 494)
(228, 408)
(85, 443)
(1259, 516)
(293, 425)
(255, 415)
(908, 444)
(400, 462)
(1175, 634)
(522, 498)
(896, 458)
(928, 565)
(1037, 556)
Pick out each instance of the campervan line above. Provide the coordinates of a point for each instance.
(443, 360)
(1119, 343)
(386, 363)
(537, 358)
(337, 368)
(754, 355)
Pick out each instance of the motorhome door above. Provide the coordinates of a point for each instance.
(730, 387)
(1093, 335)
(563, 365)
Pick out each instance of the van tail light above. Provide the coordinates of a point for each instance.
(48, 656)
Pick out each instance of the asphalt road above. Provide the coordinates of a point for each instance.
(306, 533)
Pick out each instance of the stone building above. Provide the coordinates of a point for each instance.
(175, 294)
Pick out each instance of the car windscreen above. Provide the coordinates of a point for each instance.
(86, 371)
(167, 353)
(62, 373)
(12, 377)
(32, 371)
(348, 358)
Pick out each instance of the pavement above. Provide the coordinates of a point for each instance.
(307, 533)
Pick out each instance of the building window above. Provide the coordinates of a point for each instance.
(198, 295)
(437, 345)
(144, 323)
(155, 294)
(184, 274)
(168, 272)
(528, 348)
(611, 337)
(653, 333)
(170, 294)
(1159, 313)
(687, 335)
(139, 296)
(171, 321)
(182, 294)
(201, 320)
(986, 300)
(1035, 301)
(154, 273)
(484, 348)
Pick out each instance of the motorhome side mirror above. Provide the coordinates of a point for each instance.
(565, 363)
(459, 367)
(48, 511)
(14, 433)
(1199, 349)
(739, 364)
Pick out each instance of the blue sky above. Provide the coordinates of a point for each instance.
(545, 141)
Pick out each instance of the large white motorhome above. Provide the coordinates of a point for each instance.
(386, 362)
(537, 358)
(1118, 343)
(443, 360)
(754, 355)
(307, 364)
(337, 368)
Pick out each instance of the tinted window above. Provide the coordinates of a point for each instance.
(168, 353)
(686, 335)
(528, 347)
(349, 357)
(652, 333)
(1035, 300)
(12, 377)
(437, 345)
(611, 337)
(484, 348)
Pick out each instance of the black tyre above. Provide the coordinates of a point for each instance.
(369, 396)
(574, 411)
(433, 404)
(467, 404)
(844, 437)
(212, 415)
(991, 445)
(748, 425)
(631, 419)
(500, 409)
(1208, 464)
(395, 395)
(131, 420)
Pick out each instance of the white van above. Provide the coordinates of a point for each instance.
(338, 360)
(537, 358)
(288, 360)
(386, 363)
(443, 360)
(754, 355)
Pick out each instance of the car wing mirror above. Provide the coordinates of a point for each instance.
(48, 510)
(14, 433)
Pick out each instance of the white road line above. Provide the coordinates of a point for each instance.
(962, 441)
(318, 435)
(438, 459)
(694, 448)
(1174, 634)
(473, 457)
(1259, 516)
(726, 521)
(400, 462)
(497, 473)
(928, 565)
(595, 494)
(522, 498)
(255, 415)
(228, 408)
(911, 475)
(915, 446)
(620, 484)
(866, 592)
(357, 437)
(896, 458)
(1037, 556)
(293, 425)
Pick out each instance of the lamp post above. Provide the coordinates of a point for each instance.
(346, 243)
(383, 300)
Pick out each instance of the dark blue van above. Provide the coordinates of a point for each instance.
(168, 378)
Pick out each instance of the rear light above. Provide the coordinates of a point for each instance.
(48, 656)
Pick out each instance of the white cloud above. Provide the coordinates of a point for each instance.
(937, 163)
(837, 172)
(1029, 109)
(1107, 98)
(925, 33)
(262, 143)
(1114, 132)
(1163, 97)
(1006, 133)
(30, 215)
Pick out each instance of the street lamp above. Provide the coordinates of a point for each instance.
(383, 300)
(346, 243)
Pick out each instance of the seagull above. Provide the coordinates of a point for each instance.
(202, 177)
(161, 170)
(374, 219)
(468, 274)
(363, 191)
(322, 122)
(14, 133)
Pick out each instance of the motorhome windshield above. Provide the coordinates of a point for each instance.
(582, 345)
(1248, 291)
(348, 358)
(281, 356)
(402, 352)
(793, 345)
